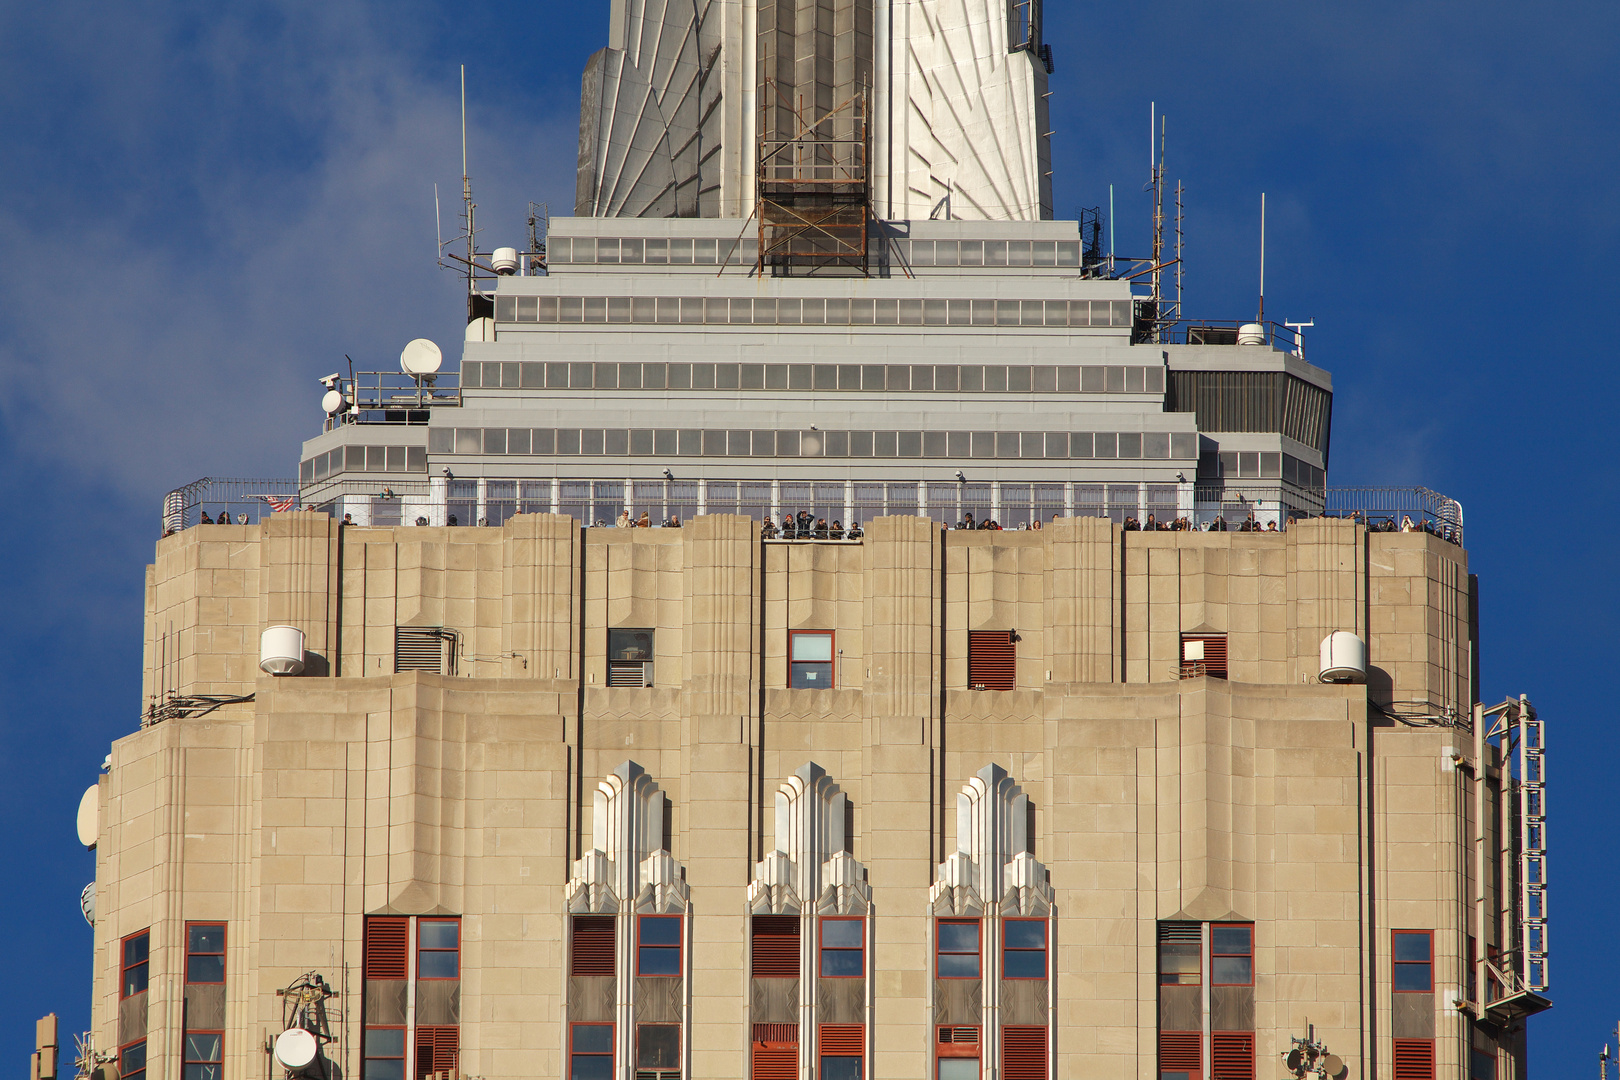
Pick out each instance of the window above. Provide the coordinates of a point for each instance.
(658, 945)
(1481, 1064)
(1181, 947)
(1203, 654)
(991, 659)
(842, 1047)
(132, 1061)
(384, 1053)
(1023, 1053)
(1231, 954)
(1181, 1055)
(592, 953)
(438, 948)
(658, 1052)
(437, 1048)
(958, 1053)
(776, 947)
(810, 656)
(590, 1052)
(630, 657)
(958, 955)
(1024, 949)
(1232, 1055)
(205, 952)
(843, 948)
(201, 1055)
(136, 954)
(1414, 961)
(385, 946)
(1414, 1059)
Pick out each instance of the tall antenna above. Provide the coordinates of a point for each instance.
(1110, 230)
(468, 206)
(1156, 182)
(438, 227)
(1262, 316)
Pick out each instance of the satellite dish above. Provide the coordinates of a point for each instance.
(1295, 1059)
(1334, 1065)
(295, 1048)
(87, 906)
(420, 357)
(90, 815)
(332, 402)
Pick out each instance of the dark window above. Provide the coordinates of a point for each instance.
(137, 953)
(592, 953)
(658, 946)
(1023, 949)
(590, 1052)
(991, 660)
(658, 1047)
(438, 1046)
(1181, 948)
(1481, 1065)
(385, 946)
(843, 948)
(1023, 1053)
(630, 656)
(776, 947)
(205, 952)
(1231, 954)
(200, 1057)
(842, 1047)
(1414, 961)
(384, 1053)
(1203, 654)
(438, 948)
(132, 1061)
(1414, 1059)
(958, 956)
(810, 660)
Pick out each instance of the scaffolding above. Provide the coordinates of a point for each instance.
(814, 189)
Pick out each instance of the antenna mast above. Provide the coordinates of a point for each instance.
(1156, 181)
(468, 206)
(1262, 316)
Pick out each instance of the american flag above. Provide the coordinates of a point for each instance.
(278, 503)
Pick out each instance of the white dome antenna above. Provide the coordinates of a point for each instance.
(420, 357)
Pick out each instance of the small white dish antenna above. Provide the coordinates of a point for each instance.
(332, 402)
(295, 1048)
(420, 357)
(90, 816)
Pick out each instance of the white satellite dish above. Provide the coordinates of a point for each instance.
(332, 402)
(90, 816)
(295, 1048)
(420, 357)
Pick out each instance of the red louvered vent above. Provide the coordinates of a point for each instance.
(777, 1034)
(1233, 1056)
(1203, 654)
(592, 952)
(387, 938)
(1181, 1051)
(1414, 1059)
(776, 947)
(959, 1035)
(843, 1040)
(1023, 1053)
(437, 1048)
(776, 1061)
(991, 659)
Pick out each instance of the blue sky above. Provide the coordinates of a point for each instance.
(204, 206)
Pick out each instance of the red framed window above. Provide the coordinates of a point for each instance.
(775, 953)
(134, 966)
(438, 1047)
(810, 660)
(132, 1061)
(1023, 1053)
(1413, 952)
(386, 944)
(1181, 954)
(1414, 1059)
(1481, 1064)
(843, 947)
(1231, 954)
(957, 949)
(775, 1050)
(201, 1055)
(382, 1053)
(592, 949)
(1232, 1055)
(1023, 949)
(658, 1049)
(590, 1052)
(658, 945)
(438, 948)
(957, 1051)
(1181, 1055)
(842, 1048)
(992, 660)
(205, 952)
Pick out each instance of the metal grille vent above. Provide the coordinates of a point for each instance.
(1180, 932)
(959, 1035)
(776, 947)
(1023, 1053)
(592, 952)
(1181, 1051)
(992, 659)
(1203, 654)
(385, 946)
(843, 1040)
(629, 673)
(437, 1048)
(1414, 1059)
(1233, 1056)
(424, 648)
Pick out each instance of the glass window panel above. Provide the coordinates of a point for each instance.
(1155, 380)
(559, 249)
(680, 376)
(692, 310)
(384, 1042)
(705, 252)
(727, 376)
(959, 937)
(860, 444)
(1093, 380)
(570, 309)
(1133, 380)
(714, 445)
(826, 377)
(1068, 253)
(995, 378)
(961, 444)
(764, 444)
(776, 376)
(205, 968)
(657, 929)
(716, 310)
(1068, 380)
(946, 253)
(970, 378)
(884, 444)
(703, 376)
(838, 312)
(593, 1039)
(1130, 444)
(469, 440)
(911, 311)
(800, 377)
(590, 1066)
(811, 647)
(887, 312)
(910, 444)
(740, 310)
(1017, 253)
(595, 309)
(641, 441)
(738, 443)
(842, 963)
(842, 933)
(954, 1068)
(630, 251)
(691, 443)
(984, 444)
(607, 251)
(787, 444)
(765, 310)
(644, 309)
(584, 249)
(898, 377)
(680, 251)
(436, 965)
(1231, 970)
(1156, 444)
(862, 312)
(922, 253)
(1180, 963)
(657, 251)
(548, 309)
(590, 441)
(1116, 379)
(1043, 252)
(1105, 445)
(984, 312)
(1270, 465)
(658, 1046)
(1007, 444)
(934, 444)
(607, 376)
(872, 377)
(813, 310)
(669, 309)
(849, 377)
(922, 377)
(935, 312)
(664, 441)
(947, 378)
(1018, 379)
(840, 1068)
(995, 252)
(1007, 313)
(1409, 948)
(787, 311)
(970, 253)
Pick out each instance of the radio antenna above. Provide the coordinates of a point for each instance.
(468, 206)
(1262, 315)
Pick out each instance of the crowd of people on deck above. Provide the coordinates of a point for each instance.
(806, 526)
